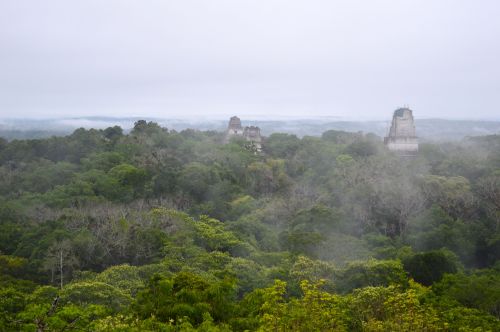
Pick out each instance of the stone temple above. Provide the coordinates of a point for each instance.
(250, 134)
(402, 137)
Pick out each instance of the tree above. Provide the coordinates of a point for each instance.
(361, 148)
(103, 161)
(113, 133)
(186, 296)
(371, 273)
(124, 277)
(399, 201)
(314, 271)
(480, 290)
(281, 145)
(195, 179)
(452, 194)
(302, 241)
(12, 301)
(129, 176)
(389, 309)
(317, 310)
(318, 218)
(212, 235)
(429, 267)
(60, 260)
(97, 293)
(488, 189)
(435, 229)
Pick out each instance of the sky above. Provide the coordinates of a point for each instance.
(351, 59)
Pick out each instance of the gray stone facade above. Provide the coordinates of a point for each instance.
(251, 134)
(402, 137)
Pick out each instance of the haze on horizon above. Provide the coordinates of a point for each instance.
(187, 59)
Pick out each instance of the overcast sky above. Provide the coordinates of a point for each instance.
(257, 58)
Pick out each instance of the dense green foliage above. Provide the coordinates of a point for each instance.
(160, 230)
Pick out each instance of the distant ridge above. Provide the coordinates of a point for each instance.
(428, 129)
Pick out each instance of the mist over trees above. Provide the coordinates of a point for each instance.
(164, 230)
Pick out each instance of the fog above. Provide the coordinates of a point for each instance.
(211, 59)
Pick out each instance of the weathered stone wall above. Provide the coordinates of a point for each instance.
(250, 134)
(402, 136)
